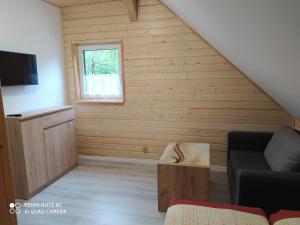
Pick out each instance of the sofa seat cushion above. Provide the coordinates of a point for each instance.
(283, 151)
(247, 160)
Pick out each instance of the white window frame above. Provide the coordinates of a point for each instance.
(98, 98)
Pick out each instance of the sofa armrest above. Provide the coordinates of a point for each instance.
(268, 190)
(251, 141)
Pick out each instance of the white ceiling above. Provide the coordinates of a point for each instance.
(261, 37)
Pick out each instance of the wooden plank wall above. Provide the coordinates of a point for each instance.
(297, 125)
(177, 87)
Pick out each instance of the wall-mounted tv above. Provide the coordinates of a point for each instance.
(18, 69)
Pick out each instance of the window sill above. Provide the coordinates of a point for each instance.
(92, 101)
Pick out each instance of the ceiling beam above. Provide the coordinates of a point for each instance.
(132, 8)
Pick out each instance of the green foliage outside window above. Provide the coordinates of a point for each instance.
(103, 61)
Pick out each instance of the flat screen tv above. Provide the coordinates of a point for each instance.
(18, 69)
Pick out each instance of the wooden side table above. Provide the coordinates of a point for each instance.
(187, 178)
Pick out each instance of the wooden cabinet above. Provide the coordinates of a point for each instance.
(42, 147)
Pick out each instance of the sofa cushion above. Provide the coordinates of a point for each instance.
(283, 151)
(285, 217)
(247, 160)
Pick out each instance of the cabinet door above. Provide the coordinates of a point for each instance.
(60, 148)
(34, 153)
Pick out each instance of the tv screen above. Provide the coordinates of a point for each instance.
(18, 69)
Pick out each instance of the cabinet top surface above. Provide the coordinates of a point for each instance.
(186, 154)
(41, 112)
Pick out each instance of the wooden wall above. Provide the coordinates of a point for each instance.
(177, 87)
(297, 124)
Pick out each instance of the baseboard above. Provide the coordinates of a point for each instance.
(152, 162)
(116, 160)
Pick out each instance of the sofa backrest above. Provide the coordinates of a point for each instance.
(283, 151)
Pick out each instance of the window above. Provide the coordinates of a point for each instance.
(101, 72)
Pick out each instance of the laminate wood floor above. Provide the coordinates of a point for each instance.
(107, 192)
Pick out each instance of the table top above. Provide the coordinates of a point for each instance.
(186, 154)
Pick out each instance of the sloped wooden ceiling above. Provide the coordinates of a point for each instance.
(260, 37)
(65, 3)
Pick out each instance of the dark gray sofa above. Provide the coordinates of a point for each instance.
(252, 181)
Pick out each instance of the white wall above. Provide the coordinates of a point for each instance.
(261, 37)
(34, 27)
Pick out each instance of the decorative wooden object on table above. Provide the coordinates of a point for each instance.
(183, 172)
(6, 184)
(42, 147)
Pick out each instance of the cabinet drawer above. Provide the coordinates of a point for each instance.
(57, 118)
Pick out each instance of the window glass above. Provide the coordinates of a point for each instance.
(101, 72)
